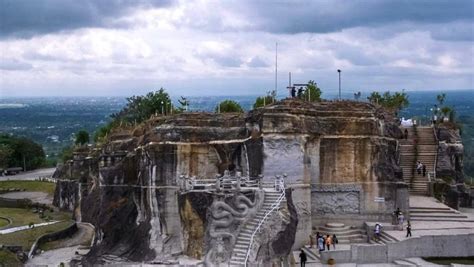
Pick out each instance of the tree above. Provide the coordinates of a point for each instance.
(312, 92)
(5, 154)
(228, 106)
(394, 102)
(66, 154)
(441, 98)
(140, 108)
(23, 152)
(82, 137)
(265, 100)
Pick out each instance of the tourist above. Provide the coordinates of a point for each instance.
(321, 243)
(293, 92)
(424, 170)
(419, 166)
(406, 134)
(334, 241)
(401, 218)
(302, 258)
(300, 92)
(377, 231)
(408, 229)
(328, 242)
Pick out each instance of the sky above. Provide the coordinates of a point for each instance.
(212, 47)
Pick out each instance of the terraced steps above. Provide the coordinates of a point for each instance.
(345, 234)
(244, 237)
(437, 214)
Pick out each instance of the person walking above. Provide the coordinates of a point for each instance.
(321, 243)
(406, 134)
(334, 241)
(424, 170)
(419, 166)
(408, 229)
(401, 218)
(328, 242)
(377, 231)
(303, 258)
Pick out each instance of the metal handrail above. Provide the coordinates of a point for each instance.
(436, 155)
(273, 207)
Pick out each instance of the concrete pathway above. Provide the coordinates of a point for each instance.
(55, 257)
(39, 197)
(30, 175)
(24, 227)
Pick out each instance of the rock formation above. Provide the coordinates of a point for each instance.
(340, 162)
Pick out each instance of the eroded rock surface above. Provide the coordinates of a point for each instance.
(338, 157)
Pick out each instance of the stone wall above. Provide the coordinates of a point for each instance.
(424, 246)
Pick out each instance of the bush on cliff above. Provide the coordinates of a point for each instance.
(228, 106)
(262, 101)
(312, 92)
(394, 103)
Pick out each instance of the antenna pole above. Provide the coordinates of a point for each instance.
(276, 69)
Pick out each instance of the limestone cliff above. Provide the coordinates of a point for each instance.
(339, 160)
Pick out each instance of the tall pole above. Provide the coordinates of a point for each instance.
(276, 69)
(339, 71)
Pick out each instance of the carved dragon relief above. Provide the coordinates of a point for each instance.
(222, 228)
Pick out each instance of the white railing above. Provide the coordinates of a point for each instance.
(436, 155)
(279, 185)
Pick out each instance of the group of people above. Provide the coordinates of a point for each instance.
(400, 220)
(294, 93)
(421, 168)
(324, 242)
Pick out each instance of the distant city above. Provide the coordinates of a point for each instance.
(52, 121)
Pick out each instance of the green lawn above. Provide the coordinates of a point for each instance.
(26, 238)
(3, 222)
(22, 217)
(32, 186)
(8, 259)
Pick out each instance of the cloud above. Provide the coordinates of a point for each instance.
(257, 62)
(12, 65)
(323, 16)
(25, 18)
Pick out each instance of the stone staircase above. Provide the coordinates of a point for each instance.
(345, 234)
(243, 239)
(427, 149)
(384, 239)
(440, 214)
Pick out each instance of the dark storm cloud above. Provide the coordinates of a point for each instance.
(27, 18)
(328, 16)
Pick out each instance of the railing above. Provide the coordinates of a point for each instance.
(220, 182)
(436, 155)
(279, 185)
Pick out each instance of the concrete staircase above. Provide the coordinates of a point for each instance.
(427, 149)
(440, 214)
(384, 239)
(345, 234)
(243, 239)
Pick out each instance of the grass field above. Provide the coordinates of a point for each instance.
(8, 259)
(22, 217)
(26, 238)
(32, 186)
(3, 222)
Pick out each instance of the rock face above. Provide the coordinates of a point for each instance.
(339, 158)
(450, 155)
(449, 168)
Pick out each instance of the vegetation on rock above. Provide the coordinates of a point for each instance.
(262, 101)
(228, 106)
(82, 137)
(312, 92)
(392, 102)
